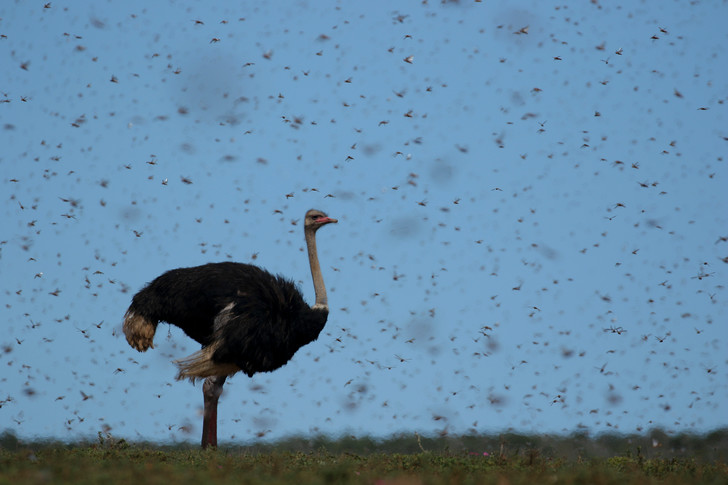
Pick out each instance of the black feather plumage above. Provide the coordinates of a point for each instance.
(258, 320)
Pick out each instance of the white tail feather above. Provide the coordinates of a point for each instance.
(200, 364)
(139, 331)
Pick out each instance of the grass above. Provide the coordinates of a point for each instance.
(402, 461)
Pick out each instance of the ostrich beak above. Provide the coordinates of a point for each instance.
(327, 220)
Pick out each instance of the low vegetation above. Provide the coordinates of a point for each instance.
(505, 459)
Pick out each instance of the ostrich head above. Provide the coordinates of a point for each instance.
(315, 219)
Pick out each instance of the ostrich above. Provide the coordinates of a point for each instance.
(246, 319)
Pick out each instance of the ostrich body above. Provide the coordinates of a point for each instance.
(245, 318)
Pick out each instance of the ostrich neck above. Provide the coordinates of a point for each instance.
(318, 280)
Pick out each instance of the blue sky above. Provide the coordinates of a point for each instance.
(530, 199)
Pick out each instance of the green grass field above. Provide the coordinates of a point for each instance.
(506, 459)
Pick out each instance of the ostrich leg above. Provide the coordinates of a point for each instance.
(211, 390)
